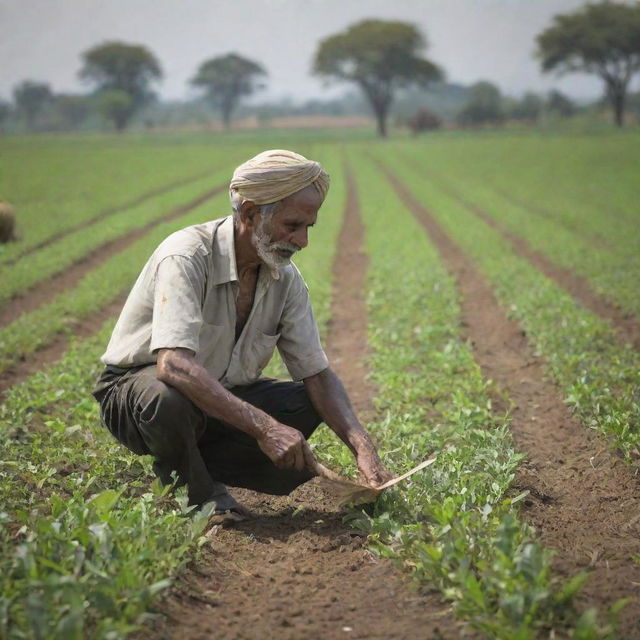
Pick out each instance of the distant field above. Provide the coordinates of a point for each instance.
(503, 311)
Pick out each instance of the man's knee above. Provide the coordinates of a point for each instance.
(167, 418)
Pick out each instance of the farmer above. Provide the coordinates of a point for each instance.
(183, 367)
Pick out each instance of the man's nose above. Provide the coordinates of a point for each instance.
(301, 238)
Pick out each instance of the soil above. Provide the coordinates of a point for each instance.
(583, 500)
(104, 214)
(46, 290)
(625, 323)
(296, 571)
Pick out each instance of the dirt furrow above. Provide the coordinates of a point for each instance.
(38, 360)
(296, 571)
(105, 213)
(627, 326)
(46, 290)
(584, 501)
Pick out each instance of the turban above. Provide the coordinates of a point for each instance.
(275, 174)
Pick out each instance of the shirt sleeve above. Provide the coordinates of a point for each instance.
(299, 343)
(177, 304)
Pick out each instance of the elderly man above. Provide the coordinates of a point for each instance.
(183, 367)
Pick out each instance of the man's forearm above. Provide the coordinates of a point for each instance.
(331, 401)
(179, 370)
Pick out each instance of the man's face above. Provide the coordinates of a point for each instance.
(284, 232)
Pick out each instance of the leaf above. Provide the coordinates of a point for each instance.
(103, 502)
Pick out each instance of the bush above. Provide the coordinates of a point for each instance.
(423, 120)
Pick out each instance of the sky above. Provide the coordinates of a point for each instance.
(471, 39)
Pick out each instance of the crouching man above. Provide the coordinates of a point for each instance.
(183, 381)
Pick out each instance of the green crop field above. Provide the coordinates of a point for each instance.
(88, 538)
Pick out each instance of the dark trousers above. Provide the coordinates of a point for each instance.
(152, 418)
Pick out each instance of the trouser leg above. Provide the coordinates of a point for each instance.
(150, 417)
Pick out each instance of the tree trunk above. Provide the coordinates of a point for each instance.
(380, 112)
(617, 93)
(226, 118)
(618, 100)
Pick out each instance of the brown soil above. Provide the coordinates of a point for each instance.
(584, 501)
(56, 349)
(106, 213)
(627, 326)
(46, 290)
(295, 571)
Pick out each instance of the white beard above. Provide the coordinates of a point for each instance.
(268, 251)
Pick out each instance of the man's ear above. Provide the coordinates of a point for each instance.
(248, 212)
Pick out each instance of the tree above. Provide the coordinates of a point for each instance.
(529, 107)
(380, 57)
(226, 79)
(602, 39)
(128, 69)
(116, 106)
(31, 98)
(558, 103)
(484, 105)
(72, 109)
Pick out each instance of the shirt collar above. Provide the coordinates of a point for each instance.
(224, 253)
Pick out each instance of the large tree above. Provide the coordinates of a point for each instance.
(226, 79)
(380, 57)
(125, 69)
(603, 39)
(30, 99)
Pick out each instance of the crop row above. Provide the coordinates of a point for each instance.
(95, 291)
(456, 524)
(586, 183)
(56, 257)
(613, 274)
(86, 542)
(57, 184)
(599, 377)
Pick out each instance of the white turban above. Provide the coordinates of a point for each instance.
(275, 174)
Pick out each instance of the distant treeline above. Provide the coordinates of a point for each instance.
(481, 104)
(384, 60)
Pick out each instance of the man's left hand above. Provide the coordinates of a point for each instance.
(371, 469)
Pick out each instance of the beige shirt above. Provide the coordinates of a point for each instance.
(186, 297)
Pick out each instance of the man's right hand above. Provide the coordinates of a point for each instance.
(286, 447)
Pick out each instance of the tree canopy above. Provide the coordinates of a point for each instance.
(128, 69)
(602, 39)
(380, 57)
(226, 79)
(31, 98)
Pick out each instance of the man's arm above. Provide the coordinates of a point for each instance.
(286, 447)
(331, 401)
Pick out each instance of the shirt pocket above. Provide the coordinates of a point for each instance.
(262, 347)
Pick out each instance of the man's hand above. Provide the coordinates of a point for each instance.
(371, 469)
(286, 447)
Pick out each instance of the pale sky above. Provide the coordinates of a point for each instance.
(471, 39)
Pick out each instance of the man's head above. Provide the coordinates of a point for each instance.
(278, 194)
